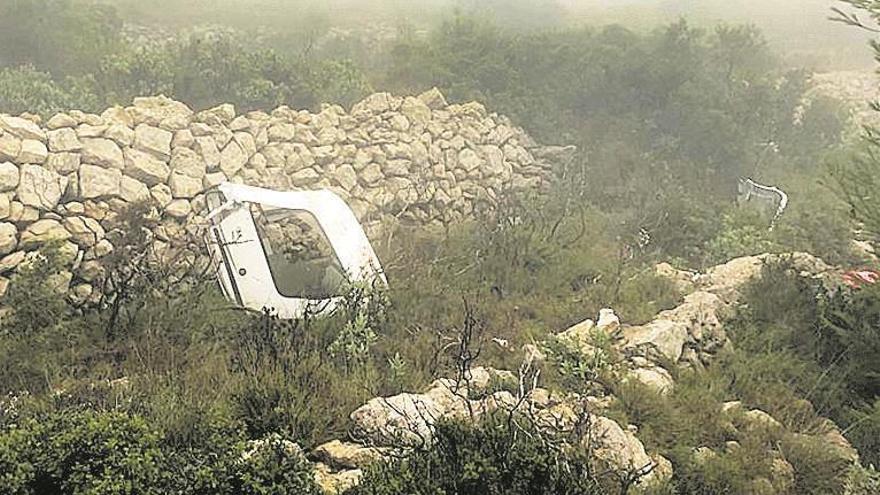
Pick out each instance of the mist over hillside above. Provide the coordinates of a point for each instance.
(460, 247)
(798, 28)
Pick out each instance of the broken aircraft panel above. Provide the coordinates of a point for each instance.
(288, 251)
(767, 197)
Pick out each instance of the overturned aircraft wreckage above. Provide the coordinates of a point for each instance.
(766, 197)
(288, 251)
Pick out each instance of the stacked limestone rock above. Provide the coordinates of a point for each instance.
(416, 158)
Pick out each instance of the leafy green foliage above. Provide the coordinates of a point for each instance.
(482, 459)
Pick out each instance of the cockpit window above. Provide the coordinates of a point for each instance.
(301, 259)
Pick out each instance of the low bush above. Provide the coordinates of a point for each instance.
(74, 451)
(489, 458)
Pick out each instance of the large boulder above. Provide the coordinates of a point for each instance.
(40, 187)
(232, 159)
(64, 140)
(145, 167)
(32, 151)
(10, 146)
(102, 152)
(8, 238)
(156, 109)
(42, 232)
(9, 176)
(153, 140)
(23, 128)
(620, 450)
(666, 336)
(97, 182)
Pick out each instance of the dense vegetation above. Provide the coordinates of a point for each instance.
(665, 122)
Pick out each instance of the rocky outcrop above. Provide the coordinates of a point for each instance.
(417, 159)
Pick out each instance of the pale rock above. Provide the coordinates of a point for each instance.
(304, 177)
(102, 152)
(494, 164)
(247, 143)
(182, 139)
(60, 120)
(98, 210)
(8, 238)
(200, 129)
(16, 210)
(258, 162)
(666, 336)
(608, 322)
(655, 378)
(10, 146)
(620, 449)
(373, 104)
(96, 182)
(416, 110)
(240, 123)
(469, 160)
(91, 271)
(40, 187)
(184, 186)
(80, 294)
(153, 140)
(400, 123)
(85, 232)
(282, 132)
(90, 131)
(23, 128)
(29, 214)
(133, 190)
(187, 162)
(116, 115)
(222, 113)
(59, 282)
(222, 136)
(178, 208)
(63, 140)
(74, 208)
(500, 135)
(684, 281)
(701, 312)
(173, 124)
(232, 159)
(154, 109)
(344, 455)
(335, 483)
(32, 151)
(102, 248)
(63, 163)
(145, 167)
(161, 194)
(346, 176)
(42, 232)
(757, 418)
(9, 176)
(5, 206)
(88, 118)
(371, 174)
(120, 134)
(323, 154)
(433, 99)
(10, 262)
(213, 179)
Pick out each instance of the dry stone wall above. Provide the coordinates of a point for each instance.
(416, 158)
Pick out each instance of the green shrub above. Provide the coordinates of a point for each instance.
(80, 452)
(482, 459)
